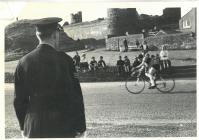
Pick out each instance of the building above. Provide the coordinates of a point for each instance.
(188, 22)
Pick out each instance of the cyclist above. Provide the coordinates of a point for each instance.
(154, 67)
(142, 68)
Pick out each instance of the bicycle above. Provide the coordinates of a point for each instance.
(164, 83)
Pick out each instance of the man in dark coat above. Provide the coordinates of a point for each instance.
(120, 66)
(48, 99)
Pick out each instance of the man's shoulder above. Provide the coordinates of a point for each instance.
(64, 56)
(28, 57)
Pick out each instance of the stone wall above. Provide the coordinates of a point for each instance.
(173, 41)
(87, 30)
(114, 43)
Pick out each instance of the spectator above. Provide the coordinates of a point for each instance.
(127, 64)
(144, 47)
(84, 64)
(137, 43)
(158, 59)
(48, 99)
(76, 59)
(136, 62)
(101, 63)
(164, 57)
(125, 45)
(93, 64)
(120, 66)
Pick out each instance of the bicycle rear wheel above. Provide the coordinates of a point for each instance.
(165, 83)
(134, 86)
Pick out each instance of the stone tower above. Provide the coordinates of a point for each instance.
(76, 18)
(121, 21)
(172, 15)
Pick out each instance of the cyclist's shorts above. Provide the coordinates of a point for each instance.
(156, 67)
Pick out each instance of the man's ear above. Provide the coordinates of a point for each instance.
(53, 35)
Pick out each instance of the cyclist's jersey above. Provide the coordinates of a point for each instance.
(146, 61)
(155, 63)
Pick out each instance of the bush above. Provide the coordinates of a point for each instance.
(153, 48)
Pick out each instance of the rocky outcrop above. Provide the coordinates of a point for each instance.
(20, 36)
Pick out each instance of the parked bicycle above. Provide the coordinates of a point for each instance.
(164, 83)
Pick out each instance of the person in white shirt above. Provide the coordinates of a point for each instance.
(164, 57)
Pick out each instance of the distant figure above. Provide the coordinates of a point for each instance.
(84, 63)
(120, 66)
(164, 57)
(93, 64)
(101, 63)
(158, 59)
(137, 43)
(127, 64)
(76, 59)
(125, 45)
(144, 47)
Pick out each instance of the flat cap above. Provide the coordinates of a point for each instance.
(47, 25)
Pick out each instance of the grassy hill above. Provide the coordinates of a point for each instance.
(20, 39)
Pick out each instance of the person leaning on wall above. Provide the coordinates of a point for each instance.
(48, 99)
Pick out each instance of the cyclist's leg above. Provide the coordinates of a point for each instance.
(151, 77)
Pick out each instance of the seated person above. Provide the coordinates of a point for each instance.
(153, 68)
(126, 64)
(136, 62)
(120, 66)
(141, 68)
(76, 59)
(101, 63)
(84, 64)
(93, 64)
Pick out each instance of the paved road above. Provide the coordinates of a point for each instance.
(113, 112)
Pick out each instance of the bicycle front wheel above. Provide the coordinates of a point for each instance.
(165, 84)
(134, 86)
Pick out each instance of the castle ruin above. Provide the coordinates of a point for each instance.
(76, 18)
(119, 21)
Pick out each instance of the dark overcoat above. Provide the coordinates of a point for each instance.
(48, 98)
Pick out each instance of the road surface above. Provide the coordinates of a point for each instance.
(113, 112)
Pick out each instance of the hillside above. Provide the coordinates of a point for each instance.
(20, 38)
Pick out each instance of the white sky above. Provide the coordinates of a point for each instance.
(90, 10)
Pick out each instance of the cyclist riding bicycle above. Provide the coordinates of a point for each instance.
(154, 67)
(149, 67)
(141, 68)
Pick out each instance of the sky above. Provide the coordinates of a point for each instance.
(90, 10)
